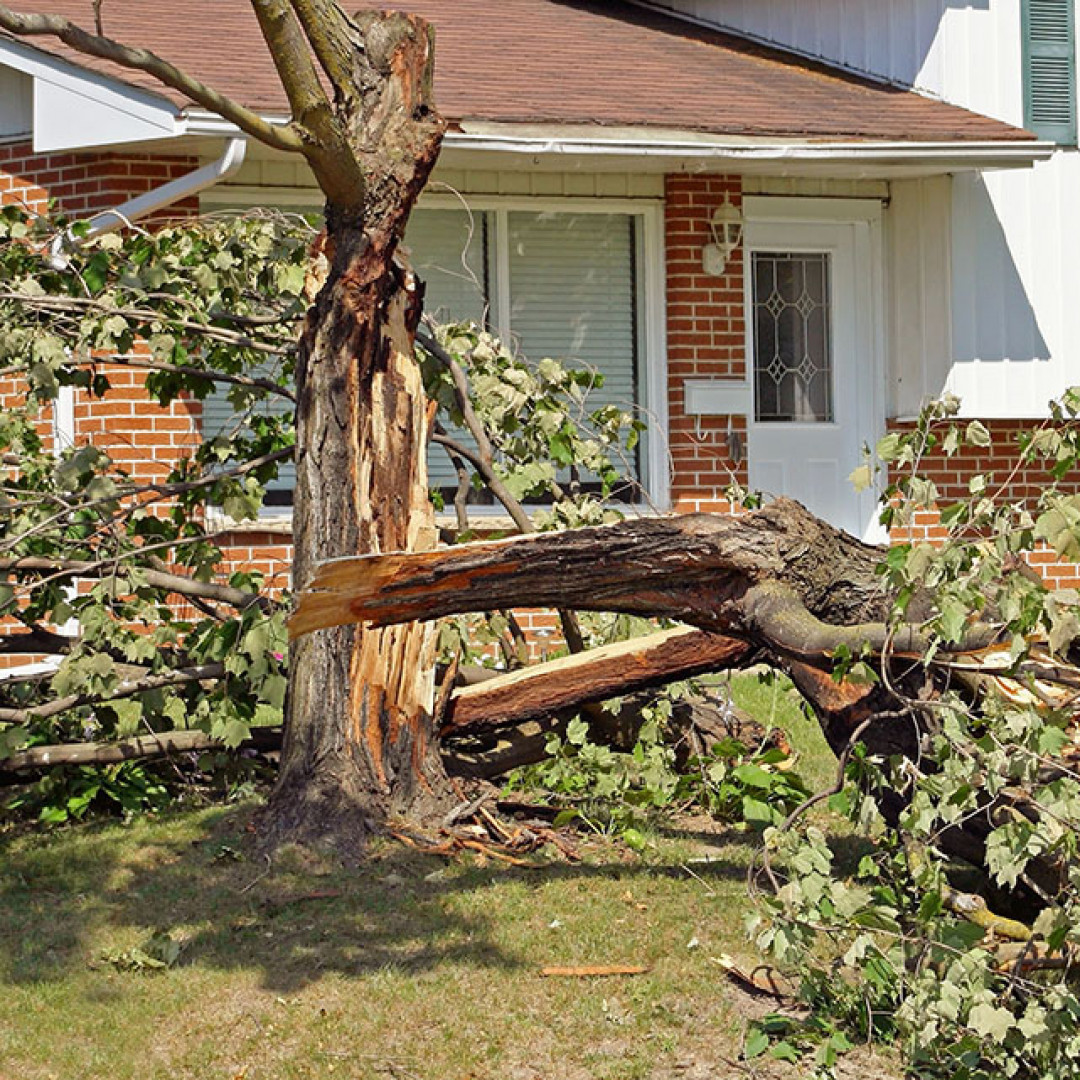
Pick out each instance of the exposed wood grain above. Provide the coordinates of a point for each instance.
(610, 671)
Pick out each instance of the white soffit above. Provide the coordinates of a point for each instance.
(75, 108)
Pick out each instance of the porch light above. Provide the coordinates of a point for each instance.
(726, 226)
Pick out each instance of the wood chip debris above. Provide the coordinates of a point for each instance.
(592, 971)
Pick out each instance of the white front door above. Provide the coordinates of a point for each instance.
(814, 359)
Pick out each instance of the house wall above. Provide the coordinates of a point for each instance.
(16, 103)
(706, 339)
(704, 321)
(145, 441)
(1014, 235)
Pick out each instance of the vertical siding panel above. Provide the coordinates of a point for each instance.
(920, 339)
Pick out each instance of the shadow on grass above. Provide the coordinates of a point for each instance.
(292, 922)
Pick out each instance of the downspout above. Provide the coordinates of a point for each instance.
(160, 197)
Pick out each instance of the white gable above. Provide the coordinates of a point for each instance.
(72, 108)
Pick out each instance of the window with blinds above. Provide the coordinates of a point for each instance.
(1049, 55)
(220, 416)
(560, 284)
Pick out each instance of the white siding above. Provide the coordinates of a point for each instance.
(1016, 278)
(917, 312)
(966, 51)
(288, 182)
(1014, 236)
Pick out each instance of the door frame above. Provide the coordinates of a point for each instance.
(865, 217)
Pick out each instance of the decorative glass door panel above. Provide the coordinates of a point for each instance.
(815, 371)
(793, 366)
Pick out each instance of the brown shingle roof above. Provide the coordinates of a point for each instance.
(558, 62)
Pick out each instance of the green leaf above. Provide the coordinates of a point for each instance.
(129, 713)
(754, 776)
(272, 690)
(786, 1051)
(757, 1042)
(234, 732)
(991, 1021)
(861, 478)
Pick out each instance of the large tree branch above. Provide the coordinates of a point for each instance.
(761, 576)
(571, 681)
(25, 25)
(173, 583)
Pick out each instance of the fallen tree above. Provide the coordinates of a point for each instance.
(777, 583)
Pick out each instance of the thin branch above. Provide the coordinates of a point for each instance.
(23, 25)
(161, 491)
(160, 744)
(60, 304)
(484, 461)
(35, 640)
(327, 29)
(157, 579)
(123, 689)
(324, 142)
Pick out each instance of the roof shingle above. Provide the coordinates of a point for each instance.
(560, 62)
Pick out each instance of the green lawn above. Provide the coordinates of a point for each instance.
(409, 966)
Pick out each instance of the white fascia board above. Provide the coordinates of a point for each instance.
(75, 108)
(537, 145)
(765, 155)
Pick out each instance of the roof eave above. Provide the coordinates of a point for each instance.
(786, 155)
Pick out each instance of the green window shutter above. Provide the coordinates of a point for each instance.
(1050, 69)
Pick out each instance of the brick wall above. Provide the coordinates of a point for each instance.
(81, 184)
(998, 462)
(706, 336)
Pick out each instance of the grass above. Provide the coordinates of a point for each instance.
(410, 966)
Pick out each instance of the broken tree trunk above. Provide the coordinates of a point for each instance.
(359, 745)
(779, 580)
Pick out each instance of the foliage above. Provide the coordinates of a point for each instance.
(165, 638)
(550, 445)
(160, 951)
(891, 944)
(619, 792)
(130, 556)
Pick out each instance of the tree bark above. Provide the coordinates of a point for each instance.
(571, 681)
(359, 746)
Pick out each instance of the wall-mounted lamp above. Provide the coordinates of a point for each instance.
(726, 226)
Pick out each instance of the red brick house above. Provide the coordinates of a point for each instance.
(753, 245)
